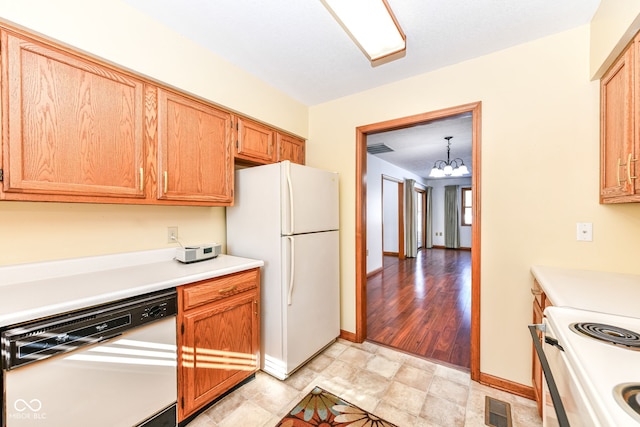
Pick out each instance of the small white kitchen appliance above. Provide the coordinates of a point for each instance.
(189, 254)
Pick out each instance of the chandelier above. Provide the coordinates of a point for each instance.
(455, 167)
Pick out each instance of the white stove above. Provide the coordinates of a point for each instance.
(598, 382)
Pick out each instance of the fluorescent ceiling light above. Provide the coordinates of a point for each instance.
(371, 24)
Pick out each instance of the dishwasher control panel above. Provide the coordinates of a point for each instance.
(34, 341)
(157, 311)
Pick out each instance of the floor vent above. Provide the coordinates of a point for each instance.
(496, 412)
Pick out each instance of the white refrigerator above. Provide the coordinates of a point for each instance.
(287, 215)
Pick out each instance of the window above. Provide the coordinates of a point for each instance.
(467, 211)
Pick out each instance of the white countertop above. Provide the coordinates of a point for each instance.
(32, 291)
(600, 291)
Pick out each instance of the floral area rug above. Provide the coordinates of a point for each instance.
(323, 409)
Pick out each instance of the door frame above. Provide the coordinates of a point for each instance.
(361, 217)
(423, 206)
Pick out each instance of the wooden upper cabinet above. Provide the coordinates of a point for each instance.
(619, 128)
(290, 148)
(195, 161)
(254, 142)
(71, 127)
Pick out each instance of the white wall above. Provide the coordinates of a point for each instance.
(539, 176)
(437, 198)
(376, 168)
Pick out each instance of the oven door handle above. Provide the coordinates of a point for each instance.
(563, 421)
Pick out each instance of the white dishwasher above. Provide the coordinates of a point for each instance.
(112, 365)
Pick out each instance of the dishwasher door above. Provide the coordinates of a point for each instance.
(123, 381)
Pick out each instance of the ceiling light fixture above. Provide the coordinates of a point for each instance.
(455, 167)
(373, 27)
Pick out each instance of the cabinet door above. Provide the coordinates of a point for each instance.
(72, 126)
(219, 347)
(536, 371)
(194, 151)
(636, 118)
(254, 142)
(290, 148)
(616, 129)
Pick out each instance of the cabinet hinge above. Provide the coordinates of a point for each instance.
(1, 175)
(182, 328)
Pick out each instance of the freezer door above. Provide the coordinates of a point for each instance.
(311, 297)
(309, 199)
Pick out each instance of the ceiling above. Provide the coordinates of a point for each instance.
(416, 149)
(297, 47)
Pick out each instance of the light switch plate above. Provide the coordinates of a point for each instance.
(584, 231)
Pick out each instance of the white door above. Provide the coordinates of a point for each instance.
(309, 199)
(312, 299)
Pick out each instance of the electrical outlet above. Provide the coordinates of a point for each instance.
(172, 234)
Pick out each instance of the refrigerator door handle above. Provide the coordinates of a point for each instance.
(291, 268)
(287, 165)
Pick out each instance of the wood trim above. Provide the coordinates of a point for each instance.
(361, 217)
(461, 248)
(390, 253)
(423, 217)
(361, 236)
(508, 386)
(374, 272)
(391, 178)
(476, 246)
(401, 249)
(349, 336)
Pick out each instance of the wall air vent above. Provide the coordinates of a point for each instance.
(378, 149)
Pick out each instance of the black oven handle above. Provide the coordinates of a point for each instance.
(563, 421)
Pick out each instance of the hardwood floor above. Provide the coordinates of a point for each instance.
(422, 305)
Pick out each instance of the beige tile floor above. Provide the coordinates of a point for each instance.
(403, 389)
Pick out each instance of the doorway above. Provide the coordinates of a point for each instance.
(392, 217)
(361, 218)
(421, 217)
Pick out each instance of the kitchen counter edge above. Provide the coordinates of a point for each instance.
(173, 274)
(592, 290)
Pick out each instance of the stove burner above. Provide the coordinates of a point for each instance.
(609, 334)
(628, 396)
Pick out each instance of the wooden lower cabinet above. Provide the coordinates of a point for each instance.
(536, 370)
(540, 302)
(218, 337)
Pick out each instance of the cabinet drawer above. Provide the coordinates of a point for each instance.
(216, 289)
